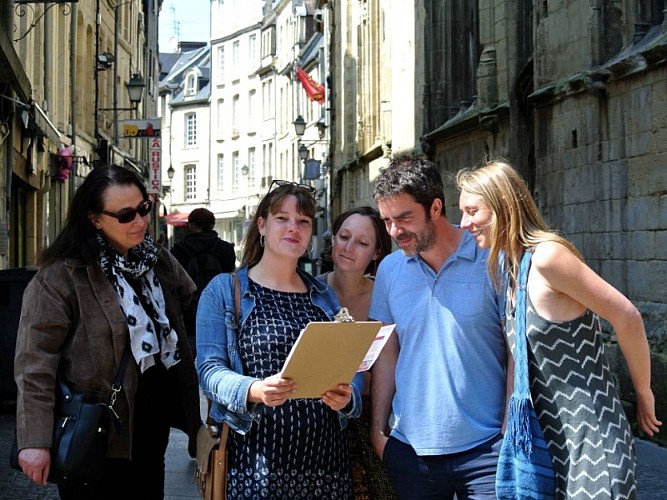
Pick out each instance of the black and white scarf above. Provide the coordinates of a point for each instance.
(145, 312)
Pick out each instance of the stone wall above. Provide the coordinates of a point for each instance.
(592, 142)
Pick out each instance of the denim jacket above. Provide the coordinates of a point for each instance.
(219, 363)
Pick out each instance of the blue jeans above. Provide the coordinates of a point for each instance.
(470, 474)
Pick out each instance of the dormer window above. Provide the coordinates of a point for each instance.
(191, 85)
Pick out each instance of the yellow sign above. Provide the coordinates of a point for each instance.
(141, 128)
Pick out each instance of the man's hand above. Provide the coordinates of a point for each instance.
(378, 441)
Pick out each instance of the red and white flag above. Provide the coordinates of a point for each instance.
(314, 90)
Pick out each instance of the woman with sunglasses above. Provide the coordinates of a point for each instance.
(103, 284)
(280, 447)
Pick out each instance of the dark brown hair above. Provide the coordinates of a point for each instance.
(78, 237)
(382, 238)
(270, 204)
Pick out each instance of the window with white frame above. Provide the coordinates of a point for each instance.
(252, 51)
(220, 117)
(269, 42)
(252, 158)
(221, 172)
(251, 107)
(190, 182)
(236, 57)
(221, 63)
(235, 114)
(280, 110)
(236, 165)
(191, 129)
(191, 85)
(267, 98)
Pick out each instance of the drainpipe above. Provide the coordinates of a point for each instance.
(48, 43)
(72, 92)
(116, 24)
(7, 21)
(96, 76)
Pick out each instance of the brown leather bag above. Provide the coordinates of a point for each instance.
(211, 467)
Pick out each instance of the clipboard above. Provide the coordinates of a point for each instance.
(327, 354)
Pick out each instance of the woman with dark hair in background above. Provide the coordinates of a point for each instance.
(281, 447)
(102, 284)
(359, 242)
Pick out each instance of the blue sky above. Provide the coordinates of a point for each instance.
(185, 21)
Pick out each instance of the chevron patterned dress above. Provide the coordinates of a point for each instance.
(578, 407)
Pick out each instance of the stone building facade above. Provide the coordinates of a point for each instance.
(573, 93)
(63, 71)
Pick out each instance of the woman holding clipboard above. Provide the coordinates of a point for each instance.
(281, 447)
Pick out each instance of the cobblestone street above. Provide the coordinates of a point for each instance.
(652, 469)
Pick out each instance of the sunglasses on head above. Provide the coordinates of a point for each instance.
(129, 214)
(281, 183)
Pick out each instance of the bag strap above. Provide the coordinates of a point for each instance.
(237, 316)
(237, 299)
(117, 386)
(521, 364)
(518, 431)
(118, 381)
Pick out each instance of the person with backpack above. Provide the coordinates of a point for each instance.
(203, 255)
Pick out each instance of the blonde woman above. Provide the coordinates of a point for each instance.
(578, 408)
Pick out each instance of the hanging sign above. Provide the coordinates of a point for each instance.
(154, 178)
(141, 128)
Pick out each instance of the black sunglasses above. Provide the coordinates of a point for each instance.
(280, 183)
(129, 214)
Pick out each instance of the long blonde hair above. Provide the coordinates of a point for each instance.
(516, 223)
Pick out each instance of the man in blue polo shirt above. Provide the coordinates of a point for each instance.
(439, 388)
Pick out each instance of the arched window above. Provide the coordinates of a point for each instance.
(191, 85)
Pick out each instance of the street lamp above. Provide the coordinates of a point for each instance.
(299, 126)
(303, 152)
(135, 89)
(245, 170)
(170, 172)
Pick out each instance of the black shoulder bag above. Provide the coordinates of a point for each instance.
(81, 432)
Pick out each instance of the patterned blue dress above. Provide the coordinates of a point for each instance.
(578, 407)
(298, 449)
